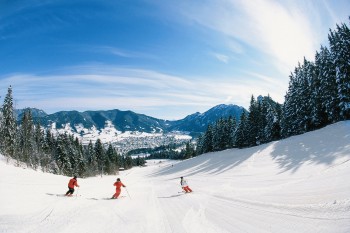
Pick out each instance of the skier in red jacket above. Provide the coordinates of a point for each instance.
(72, 183)
(118, 184)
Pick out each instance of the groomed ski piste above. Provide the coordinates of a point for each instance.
(299, 184)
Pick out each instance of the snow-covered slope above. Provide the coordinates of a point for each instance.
(300, 184)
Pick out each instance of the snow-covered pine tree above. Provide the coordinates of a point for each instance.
(189, 151)
(49, 143)
(62, 155)
(80, 162)
(73, 154)
(39, 139)
(44, 158)
(100, 156)
(128, 162)
(49, 148)
(230, 126)
(200, 143)
(227, 133)
(218, 140)
(208, 140)
(276, 128)
(216, 135)
(318, 112)
(287, 109)
(262, 103)
(253, 122)
(9, 126)
(109, 160)
(295, 109)
(223, 134)
(26, 144)
(328, 85)
(242, 132)
(91, 159)
(340, 47)
(270, 118)
(311, 116)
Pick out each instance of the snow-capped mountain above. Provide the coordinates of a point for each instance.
(130, 121)
(122, 120)
(198, 122)
(128, 130)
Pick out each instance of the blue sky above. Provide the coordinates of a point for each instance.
(162, 58)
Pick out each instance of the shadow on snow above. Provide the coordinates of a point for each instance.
(322, 146)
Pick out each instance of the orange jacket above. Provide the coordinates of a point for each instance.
(73, 182)
(118, 184)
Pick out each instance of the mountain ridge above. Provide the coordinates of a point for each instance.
(130, 121)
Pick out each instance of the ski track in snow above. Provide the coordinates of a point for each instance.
(250, 190)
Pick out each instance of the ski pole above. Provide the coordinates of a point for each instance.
(128, 193)
(76, 195)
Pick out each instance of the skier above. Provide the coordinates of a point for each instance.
(72, 183)
(184, 185)
(118, 184)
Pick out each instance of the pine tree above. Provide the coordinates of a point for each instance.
(128, 162)
(340, 47)
(43, 157)
(91, 159)
(48, 146)
(109, 161)
(242, 132)
(328, 85)
(296, 108)
(229, 126)
(62, 155)
(189, 151)
(200, 143)
(100, 156)
(9, 126)
(217, 132)
(270, 120)
(263, 104)
(276, 127)
(73, 154)
(27, 140)
(304, 117)
(288, 110)
(208, 140)
(39, 138)
(253, 122)
(77, 158)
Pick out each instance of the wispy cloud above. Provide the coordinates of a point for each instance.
(145, 91)
(116, 51)
(221, 57)
(284, 30)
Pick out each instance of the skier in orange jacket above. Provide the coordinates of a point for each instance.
(72, 183)
(118, 184)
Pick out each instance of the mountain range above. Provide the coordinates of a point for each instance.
(130, 121)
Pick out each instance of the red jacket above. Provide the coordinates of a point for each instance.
(119, 184)
(73, 182)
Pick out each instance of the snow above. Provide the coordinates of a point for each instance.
(299, 184)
